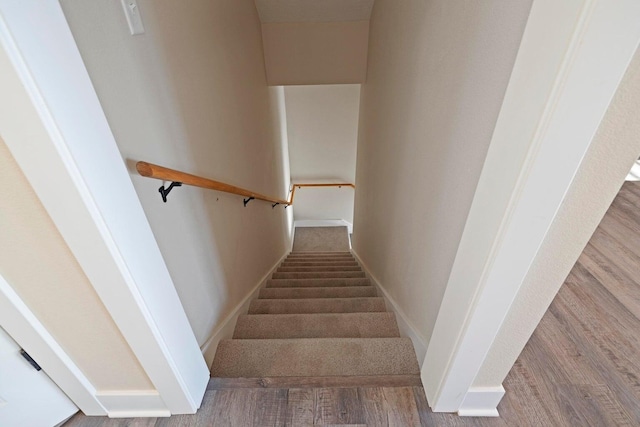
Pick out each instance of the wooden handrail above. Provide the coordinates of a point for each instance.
(293, 192)
(160, 172)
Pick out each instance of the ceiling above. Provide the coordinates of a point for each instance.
(314, 10)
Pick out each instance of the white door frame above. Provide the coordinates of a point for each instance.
(571, 60)
(83, 183)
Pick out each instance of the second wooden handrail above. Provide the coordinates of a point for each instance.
(293, 192)
(160, 172)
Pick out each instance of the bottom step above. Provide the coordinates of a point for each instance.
(314, 357)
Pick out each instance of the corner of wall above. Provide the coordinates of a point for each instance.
(407, 328)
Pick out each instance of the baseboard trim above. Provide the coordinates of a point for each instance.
(225, 329)
(132, 404)
(407, 328)
(481, 402)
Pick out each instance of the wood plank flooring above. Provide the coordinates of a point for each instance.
(581, 366)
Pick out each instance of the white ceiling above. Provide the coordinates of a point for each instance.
(314, 10)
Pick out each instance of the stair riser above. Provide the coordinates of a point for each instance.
(316, 305)
(335, 292)
(304, 283)
(320, 275)
(317, 269)
(313, 264)
(289, 326)
(323, 263)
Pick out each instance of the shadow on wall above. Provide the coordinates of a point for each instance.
(190, 93)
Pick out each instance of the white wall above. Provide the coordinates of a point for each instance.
(322, 124)
(314, 53)
(191, 94)
(437, 75)
(602, 172)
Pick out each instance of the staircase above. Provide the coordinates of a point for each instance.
(318, 318)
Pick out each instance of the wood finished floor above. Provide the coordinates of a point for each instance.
(580, 368)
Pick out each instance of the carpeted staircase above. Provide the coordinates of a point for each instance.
(318, 317)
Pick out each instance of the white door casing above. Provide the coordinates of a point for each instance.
(571, 60)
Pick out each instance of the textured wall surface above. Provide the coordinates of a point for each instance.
(314, 10)
(437, 75)
(315, 53)
(191, 94)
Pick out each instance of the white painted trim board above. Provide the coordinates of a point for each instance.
(106, 230)
(522, 185)
(482, 402)
(133, 403)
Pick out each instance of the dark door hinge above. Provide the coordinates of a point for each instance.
(30, 360)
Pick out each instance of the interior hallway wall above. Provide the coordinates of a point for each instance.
(191, 94)
(322, 124)
(437, 74)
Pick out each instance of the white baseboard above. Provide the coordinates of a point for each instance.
(407, 328)
(131, 404)
(324, 223)
(225, 329)
(481, 402)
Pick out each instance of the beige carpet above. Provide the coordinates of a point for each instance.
(319, 239)
(319, 316)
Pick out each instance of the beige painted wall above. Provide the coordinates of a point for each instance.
(322, 124)
(37, 263)
(191, 94)
(314, 53)
(603, 170)
(437, 75)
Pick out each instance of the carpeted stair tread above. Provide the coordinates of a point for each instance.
(318, 268)
(321, 257)
(327, 282)
(320, 325)
(319, 275)
(316, 305)
(330, 262)
(319, 292)
(320, 254)
(314, 263)
(314, 357)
